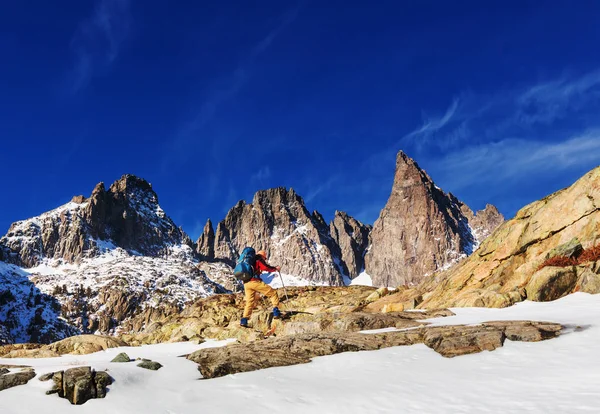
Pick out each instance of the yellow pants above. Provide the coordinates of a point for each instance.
(251, 291)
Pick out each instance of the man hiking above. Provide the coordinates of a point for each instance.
(255, 286)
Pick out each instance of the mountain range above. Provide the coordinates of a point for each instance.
(114, 261)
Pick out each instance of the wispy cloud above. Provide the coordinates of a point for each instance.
(261, 177)
(473, 119)
(228, 87)
(98, 41)
(424, 134)
(511, 160)
(546, 102)
(316, 190)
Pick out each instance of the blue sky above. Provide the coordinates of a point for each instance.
(212, 101)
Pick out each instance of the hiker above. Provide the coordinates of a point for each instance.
(255, 286)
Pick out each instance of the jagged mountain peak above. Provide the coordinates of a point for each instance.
(420, 230)
(352, 237)
(130, 182)
(276, 195)
(205, 246)
(278, 221)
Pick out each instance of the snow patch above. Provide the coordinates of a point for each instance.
(363, 279)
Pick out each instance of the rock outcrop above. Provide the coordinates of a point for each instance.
(85, 344)
(504, 269)
(21, 377)
(74, 345)
(151, 365)
(449, 341)
(421, 229)
(79, 385)
(278, 222)
(352, 237)
(122, 357)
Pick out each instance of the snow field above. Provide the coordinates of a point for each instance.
(560, 375)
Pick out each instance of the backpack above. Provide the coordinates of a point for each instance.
(244, 268)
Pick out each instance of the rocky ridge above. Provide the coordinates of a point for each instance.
(505, 268)
(115, 261)
(278, 222)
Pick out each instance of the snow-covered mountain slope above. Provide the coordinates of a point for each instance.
(557, 376)
(26, 313)
(100, 295)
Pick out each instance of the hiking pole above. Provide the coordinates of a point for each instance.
(283, 284)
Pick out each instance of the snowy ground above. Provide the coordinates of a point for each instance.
(557, 376)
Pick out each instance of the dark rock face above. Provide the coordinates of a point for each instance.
(127, 215)
(18, 378)
(421, 229)
(206, 243)
(278, 222)
(449, 341)
(352, 237)
(79, 385)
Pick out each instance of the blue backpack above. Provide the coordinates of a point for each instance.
(244, 268)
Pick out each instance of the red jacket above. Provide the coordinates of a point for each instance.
(261, 266)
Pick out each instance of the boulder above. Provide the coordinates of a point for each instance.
(151, 365)
(551, 283)
(79, 385)
(571, 249)
(122, 357)
(17, 378)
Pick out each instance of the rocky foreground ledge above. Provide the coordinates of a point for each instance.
(449, 341)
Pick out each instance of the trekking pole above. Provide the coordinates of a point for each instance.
(283, 284)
